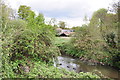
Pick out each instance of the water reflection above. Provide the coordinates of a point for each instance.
(79, 66)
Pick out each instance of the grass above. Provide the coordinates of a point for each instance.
(62, 40)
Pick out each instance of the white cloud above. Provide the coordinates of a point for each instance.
(70, 22)
(71, 11)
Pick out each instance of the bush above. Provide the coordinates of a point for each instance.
(13, 28)
(39, 69)
(21, 42)
(100, 49)
(35, 44)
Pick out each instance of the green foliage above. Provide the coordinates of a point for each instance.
(99, 40)
(39, 19)
(53, 22)
(13, 28)
(62, 24)
(28, 46)
(24, 12)
(38, 69)
(99, 14)
(22, 39)
(33, 44)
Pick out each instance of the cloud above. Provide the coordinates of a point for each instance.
(71, 11)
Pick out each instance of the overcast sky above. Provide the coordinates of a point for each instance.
(70, 11)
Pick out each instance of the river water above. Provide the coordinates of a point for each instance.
(77, 65)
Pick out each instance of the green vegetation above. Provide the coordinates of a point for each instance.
(97, 41)
(28, 47)
(62, 40)
(38, 69)
(62, 24)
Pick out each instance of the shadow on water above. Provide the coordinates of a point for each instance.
(76, 65)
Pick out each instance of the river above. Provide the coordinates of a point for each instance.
(73, 64)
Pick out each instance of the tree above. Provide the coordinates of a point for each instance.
(114, 7)
(6, 14)
(53, 22)
(62, 24)
(85, 19)
(31, 19)
(96, 22)
(98, 15)
(24, 12)
(39, 19)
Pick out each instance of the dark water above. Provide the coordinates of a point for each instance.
(76, 65)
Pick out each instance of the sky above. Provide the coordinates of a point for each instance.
(70, 11)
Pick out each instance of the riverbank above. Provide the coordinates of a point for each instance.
(35, 68)
(68, 49)
(90, 62)
(95, 58)
(76, 65)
